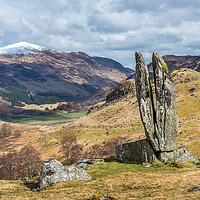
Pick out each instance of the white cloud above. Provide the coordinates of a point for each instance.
(112, 28)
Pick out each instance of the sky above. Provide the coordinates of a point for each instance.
(107, 28)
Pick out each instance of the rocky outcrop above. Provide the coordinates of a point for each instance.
(136, 152)
(123, 89)
(53, 171)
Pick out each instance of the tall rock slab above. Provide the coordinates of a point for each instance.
(145, 100)
(166, 111)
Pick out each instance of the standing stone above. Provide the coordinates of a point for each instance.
(166, 111)
(161, 126)
(145, 100)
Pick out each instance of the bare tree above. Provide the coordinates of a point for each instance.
(106, 150)
(9, 166)
(70, 149)
(95, 151)
(30, 161)
(5, 110)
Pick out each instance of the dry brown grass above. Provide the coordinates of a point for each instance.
(28, 134)
(122, 118)
(139, 183)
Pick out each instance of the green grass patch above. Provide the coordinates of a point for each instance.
(102, 170)
(46, 117)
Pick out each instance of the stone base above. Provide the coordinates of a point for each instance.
(142, 152)
(136, 152)
(176, 155)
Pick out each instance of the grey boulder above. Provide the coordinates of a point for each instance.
(53, 171)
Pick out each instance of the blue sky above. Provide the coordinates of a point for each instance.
(108, 28)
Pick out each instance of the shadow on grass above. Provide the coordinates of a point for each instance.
(32, 185)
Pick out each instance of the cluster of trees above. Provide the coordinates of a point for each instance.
(16, 96)
(71, 106)
(15, 165)
(72, 151)
(5, 111)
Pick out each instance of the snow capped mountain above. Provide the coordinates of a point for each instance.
(23, 48)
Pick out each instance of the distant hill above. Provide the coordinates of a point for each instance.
(71, 76)
(112, 64)
(176, 63)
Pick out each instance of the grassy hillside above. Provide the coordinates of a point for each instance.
(121, 118)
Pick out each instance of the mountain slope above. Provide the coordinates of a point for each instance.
(121, 117)
(70, 76)
(112, 64)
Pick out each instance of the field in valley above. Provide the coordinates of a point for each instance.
(48, 118)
